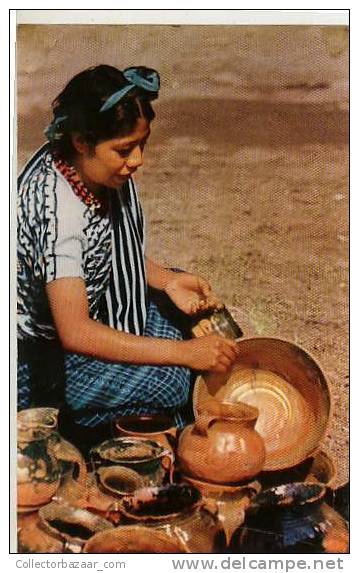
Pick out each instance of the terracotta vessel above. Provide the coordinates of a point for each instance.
(46, 463)
(178, 511)
(292, 518)
(157, 428)
(58, 528)
(222, 445)
(290, 391)
(152, 462)
(319, 468)
(133, 539)
(231, 501)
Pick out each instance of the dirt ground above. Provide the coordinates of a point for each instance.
(246, 174)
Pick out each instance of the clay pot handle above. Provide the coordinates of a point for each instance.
(167, 462)
(171, 432)
(203, 422)
(66, 452)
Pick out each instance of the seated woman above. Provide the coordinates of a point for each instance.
(90, 338)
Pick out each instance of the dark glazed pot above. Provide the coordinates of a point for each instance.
(178, 511)
(292, 518)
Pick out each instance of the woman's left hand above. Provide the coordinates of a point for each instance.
(191, 293)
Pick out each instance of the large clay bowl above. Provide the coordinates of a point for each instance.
(288, 388)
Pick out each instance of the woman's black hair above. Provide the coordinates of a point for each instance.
(77, 108)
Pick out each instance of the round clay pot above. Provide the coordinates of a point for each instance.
(133, 539)
(46, 463)
(157, 428)
(318, 468)
(222, 445)
(179, 511)
(152, 462)
(292, 518)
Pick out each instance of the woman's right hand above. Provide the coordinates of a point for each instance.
(210, 353)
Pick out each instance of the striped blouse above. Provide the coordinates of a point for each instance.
(59, 236)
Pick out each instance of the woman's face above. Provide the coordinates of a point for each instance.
(112, 161)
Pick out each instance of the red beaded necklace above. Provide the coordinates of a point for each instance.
(78, 187)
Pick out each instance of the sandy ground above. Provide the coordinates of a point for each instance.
(246, 173)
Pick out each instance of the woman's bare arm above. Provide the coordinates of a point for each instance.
(158, 276)
(79, 333)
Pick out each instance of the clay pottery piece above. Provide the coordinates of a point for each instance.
(222, 445)
(178, 511)
(292, 518)
(58, 528)
(290, 391)
(102, 501)
(319, 468)
(31, 538)
(119, 481)
(149, 460)
(231, 501)
(46, 463)
(340, 500)
(155, 427)
(133, 539)
(322, 469)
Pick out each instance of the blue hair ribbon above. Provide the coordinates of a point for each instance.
(52, 131)
(135, 77)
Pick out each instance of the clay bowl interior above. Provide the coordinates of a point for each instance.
(288, 388)
(133, 539)
(119, 480)
(126, 450)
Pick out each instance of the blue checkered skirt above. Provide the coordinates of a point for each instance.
(98, 391)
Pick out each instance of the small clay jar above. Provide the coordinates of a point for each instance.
(222, 445)
(155, 427)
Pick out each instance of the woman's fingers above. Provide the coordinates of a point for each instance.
(230, 352)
